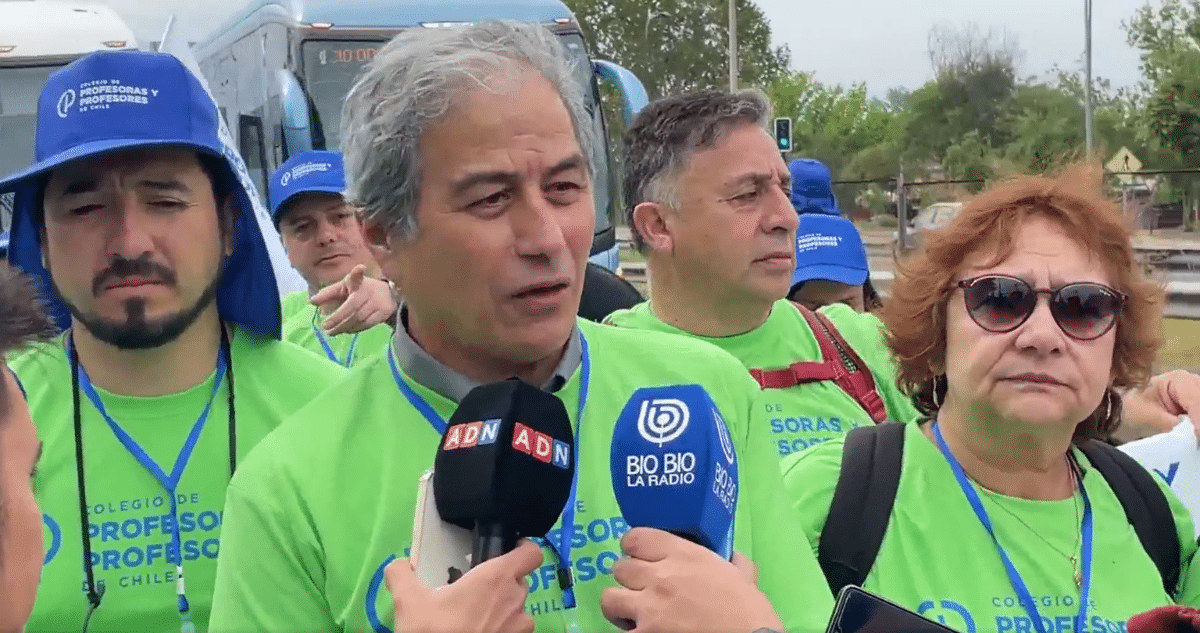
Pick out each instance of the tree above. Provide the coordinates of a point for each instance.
(1168, 38)
(1173, 111)
(830, 123)
(677, 46)
(975, 80)
(1046, 125)
(1161, 33)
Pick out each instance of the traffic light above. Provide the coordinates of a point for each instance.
(783, 134)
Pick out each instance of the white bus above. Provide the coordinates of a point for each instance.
(37, 37)
(280, 69)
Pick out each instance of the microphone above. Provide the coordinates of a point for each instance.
(674, 467)
(505, 465)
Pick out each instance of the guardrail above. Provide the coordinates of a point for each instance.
(1183, 297)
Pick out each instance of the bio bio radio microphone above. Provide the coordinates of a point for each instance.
(674, 467)
(505, 465)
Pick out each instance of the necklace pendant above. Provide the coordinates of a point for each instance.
(1078, 572)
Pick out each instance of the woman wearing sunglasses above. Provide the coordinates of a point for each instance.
(1012, 330)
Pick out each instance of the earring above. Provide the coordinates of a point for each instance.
(937, 401)
(1107, 405)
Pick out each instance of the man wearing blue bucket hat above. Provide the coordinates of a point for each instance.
(831, 264)
(323, 238)
(139, 231)
(812, 188)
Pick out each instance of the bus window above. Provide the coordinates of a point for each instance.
(19, 90)
(250, 144)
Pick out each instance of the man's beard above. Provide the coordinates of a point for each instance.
(135, 331)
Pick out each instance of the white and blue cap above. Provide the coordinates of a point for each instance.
(307, 172)
(829, 247)
(116, 100)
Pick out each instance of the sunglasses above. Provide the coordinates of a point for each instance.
(999, 303)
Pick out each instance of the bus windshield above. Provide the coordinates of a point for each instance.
(331, 66)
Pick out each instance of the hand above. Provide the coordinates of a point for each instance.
(489, 598)
(670, 585)
(1160, 404)
(362, 303)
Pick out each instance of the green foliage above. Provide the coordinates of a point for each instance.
(678, 46)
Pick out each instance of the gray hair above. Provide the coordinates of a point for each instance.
(666, 132)
(414, 80)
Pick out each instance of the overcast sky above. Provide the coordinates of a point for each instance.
(880, 42)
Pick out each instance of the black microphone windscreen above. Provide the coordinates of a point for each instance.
(507, 458)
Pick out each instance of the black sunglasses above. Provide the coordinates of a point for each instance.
(999, 303)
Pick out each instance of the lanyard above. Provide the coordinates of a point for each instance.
(1014, 576)
(324, 341)
(567, 530)
(168, 482)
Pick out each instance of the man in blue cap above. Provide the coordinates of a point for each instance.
(831, 265)
(138, 228)
(323, 239)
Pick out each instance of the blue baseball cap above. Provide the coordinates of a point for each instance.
(829, 247)
(812, 187)
(117, 100)
(306, 172)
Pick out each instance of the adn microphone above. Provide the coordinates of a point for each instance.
(504, 467)
(674, 467)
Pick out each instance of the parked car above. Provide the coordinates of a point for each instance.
(934, 216)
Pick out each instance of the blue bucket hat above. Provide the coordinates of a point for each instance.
(829, 247)
(116, 100)
(306, 172)
(812, 187)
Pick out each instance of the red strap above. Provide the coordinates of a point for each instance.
(856, 381)
(794, 374)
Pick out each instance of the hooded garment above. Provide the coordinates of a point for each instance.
(812, 188)
(115, 100)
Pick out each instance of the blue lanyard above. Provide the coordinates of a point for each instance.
(321, 338)
(567, 530)
(168, 482)
(1013, 576)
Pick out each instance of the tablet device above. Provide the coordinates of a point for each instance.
(441, 551)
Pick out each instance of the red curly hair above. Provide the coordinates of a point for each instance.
(915, 314)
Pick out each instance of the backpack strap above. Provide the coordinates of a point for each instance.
(839, 363)
(1146, 507)
(796, 374)
(862, 503)
(856, 378)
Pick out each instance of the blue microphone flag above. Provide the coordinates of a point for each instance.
(674, 466)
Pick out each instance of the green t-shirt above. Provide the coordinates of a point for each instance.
(301, 325)
(808, 414)
(937, 558)
(328, 499)
(129, 511)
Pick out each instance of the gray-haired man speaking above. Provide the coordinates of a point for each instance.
(468, 150)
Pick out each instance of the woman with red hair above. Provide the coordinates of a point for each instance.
(1014, 330)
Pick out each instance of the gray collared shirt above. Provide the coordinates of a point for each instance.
(432, 374)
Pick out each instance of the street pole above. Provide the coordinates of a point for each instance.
(733, 47)
(1088, 131)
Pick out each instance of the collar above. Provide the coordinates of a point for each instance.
(426, 370)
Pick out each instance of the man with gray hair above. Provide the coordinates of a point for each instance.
(468, 150)
(707, 196)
